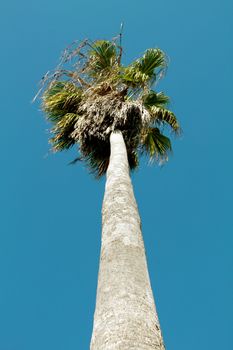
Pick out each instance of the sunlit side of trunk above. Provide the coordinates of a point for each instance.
(125, 315)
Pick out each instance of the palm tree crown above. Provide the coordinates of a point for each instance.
(97, 94)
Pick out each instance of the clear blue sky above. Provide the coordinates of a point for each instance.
(51, 212)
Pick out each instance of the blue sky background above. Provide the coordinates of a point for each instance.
(51, 212)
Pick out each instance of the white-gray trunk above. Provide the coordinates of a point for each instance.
(125, 315)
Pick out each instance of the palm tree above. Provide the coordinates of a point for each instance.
(112, 113)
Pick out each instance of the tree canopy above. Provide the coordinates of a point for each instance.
(91, 93)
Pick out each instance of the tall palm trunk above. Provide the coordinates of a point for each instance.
(125, 315)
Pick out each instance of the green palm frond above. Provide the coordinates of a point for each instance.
(62, 131)
(99, 165)
(143, 70)
(102, 57)
(54, 88)
(163, 115)
(61, 98)
(152, 59)
(132, 76)
(155, 99)
(133, 159)
(96, 161)
(156, 144)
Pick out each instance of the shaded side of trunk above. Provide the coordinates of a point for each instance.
(125, 315)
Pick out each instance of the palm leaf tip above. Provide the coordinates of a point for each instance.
(160, 115)
(155, 99)
(144, 70)
(152, 59)
(102, 56)
(133, 159)
(61, 98)
(62, 132)
(156, 145)
(155, 104)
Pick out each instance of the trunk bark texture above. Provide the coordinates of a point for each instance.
(125, 316)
